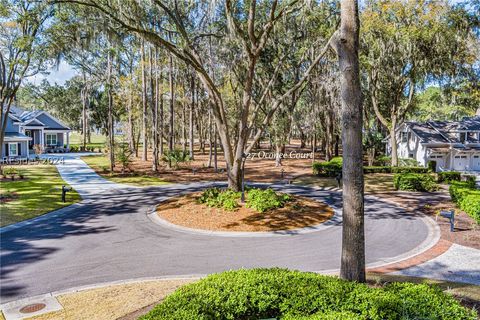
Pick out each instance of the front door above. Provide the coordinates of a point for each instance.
(460, 162)
(30, 134)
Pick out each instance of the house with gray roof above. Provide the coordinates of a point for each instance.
(453, 145)
(25, 129)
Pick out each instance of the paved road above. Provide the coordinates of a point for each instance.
(113, 239)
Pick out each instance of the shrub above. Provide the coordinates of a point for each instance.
(414, 182)
(407, 162)
(448, 176)
(377, 169)
(175, 157)
(467, 198)
(383, 161)
(330, 168)
(226, 199)
(263, 200)
(280, 293)
(409, 170)
(432, 166)
(123, 155)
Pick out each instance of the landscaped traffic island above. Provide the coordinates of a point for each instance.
(284, 294)
(262, 210)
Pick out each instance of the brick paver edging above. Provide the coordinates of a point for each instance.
(438, 249)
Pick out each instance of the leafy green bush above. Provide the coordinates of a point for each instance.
(123, 155)
(175, 157)
(432, 166)
(330, 168)
(377, 169)
(448, 176)
(263, 200)
(414, 182)
(280, 293)
(409, 170)
(383, 161)
(226, 199)
(467, 198)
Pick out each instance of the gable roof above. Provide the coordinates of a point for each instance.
(445, 131)
(427, 133)
(30, 118)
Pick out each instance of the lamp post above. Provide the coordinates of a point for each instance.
(244, 157)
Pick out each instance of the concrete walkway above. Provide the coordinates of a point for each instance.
(81, 177)
(457, 264)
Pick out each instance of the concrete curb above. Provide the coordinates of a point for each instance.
(334, 221)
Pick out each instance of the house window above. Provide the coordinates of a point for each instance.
(51, 139)
(404, 136)
(410, 155)
(13, 149)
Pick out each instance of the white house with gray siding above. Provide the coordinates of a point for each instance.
(25, 129)
(453, 145)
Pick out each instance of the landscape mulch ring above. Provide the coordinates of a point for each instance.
(299, 213)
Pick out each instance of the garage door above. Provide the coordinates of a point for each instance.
(476, 162)
(460, 162)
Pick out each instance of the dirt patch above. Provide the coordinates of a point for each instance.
(299, 213)
(113, 302)
(467, 232)
(256, 169)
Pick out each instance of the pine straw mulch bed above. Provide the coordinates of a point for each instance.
(299, 213)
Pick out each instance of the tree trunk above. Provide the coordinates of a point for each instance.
(171, 115)
(353, 237)
(393, 142)
(144, 105)
(154, 107)
(184, 128)
(190, 122)
(110, 125)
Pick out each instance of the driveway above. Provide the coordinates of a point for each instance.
(109, 237)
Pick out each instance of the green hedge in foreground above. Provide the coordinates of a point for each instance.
(467, 198)
(284, 294)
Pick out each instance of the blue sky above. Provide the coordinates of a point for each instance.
(59, 76)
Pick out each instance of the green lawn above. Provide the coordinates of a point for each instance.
(377, 182)
(96, 140)
(35, 195)
(101, 165)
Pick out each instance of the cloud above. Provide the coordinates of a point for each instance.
(63, 73)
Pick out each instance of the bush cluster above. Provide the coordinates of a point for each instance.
(260, 200)
(175, 157)
(448, 176)
(284, 294)
(330, 168)
(402, 162)
(389, 169)
(467, 198)
(414, 182)
(226, 199)
(263, 200)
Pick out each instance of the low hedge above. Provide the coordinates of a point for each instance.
(389, 169)
(448, 176)
(467, 198)
(330, 168)
(334, 167)
(414, 182)
(284, 294)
